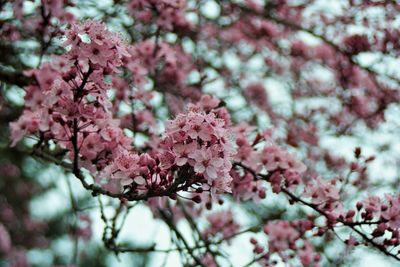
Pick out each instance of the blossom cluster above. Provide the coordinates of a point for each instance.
(245, 186)
(283, 237)
(76, 100)
(44, 24)
(282, 168)
(384, 214)
(221, 223)
(199, 140)
(70, 106)
(69, 103)
(286, 170)
(166, 14)
(257, 94)
(169, 66)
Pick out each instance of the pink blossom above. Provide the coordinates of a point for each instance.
(322, 192)
(197, 127)
(245, 187)
(281, 235)
(199, 138)
(5, 240)
(392, 213)
(273, 158)
(206, 163)
(223, 223)
(257, 94)
(308, 256)
(91, 146)
(183, 151)
(28, 123)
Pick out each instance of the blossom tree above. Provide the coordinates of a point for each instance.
(271, 125)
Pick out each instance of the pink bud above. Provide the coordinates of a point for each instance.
(253, 241)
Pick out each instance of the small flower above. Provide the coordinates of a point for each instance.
(183, 151)
(91, 146)
(206, 163)
(97, 54)
(127, 162)
(197, 127)
(392, 213)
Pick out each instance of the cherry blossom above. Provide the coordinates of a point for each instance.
(207, 117)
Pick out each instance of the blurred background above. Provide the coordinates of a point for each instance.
(321, 105)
